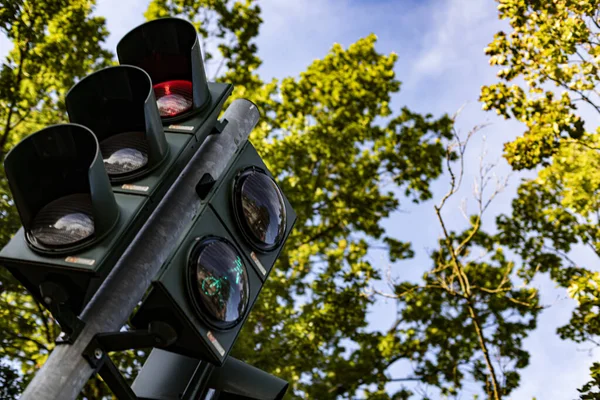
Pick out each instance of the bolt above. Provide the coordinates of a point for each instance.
(98, 354)
(47, 300)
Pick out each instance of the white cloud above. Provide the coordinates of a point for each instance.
(456, 25)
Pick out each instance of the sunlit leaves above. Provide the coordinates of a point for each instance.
(333, 158)
(590, 391)
(551, 55)
(552, 45)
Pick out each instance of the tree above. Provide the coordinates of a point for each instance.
(553, 49)
(311, 307)
(467, 319)
(10, 382)
(54, 44)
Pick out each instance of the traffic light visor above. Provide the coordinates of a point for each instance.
(60, 188)
(118, 105)
(259, 208)
(169, 51)
(218, 282)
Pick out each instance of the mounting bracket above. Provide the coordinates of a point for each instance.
(55, 297)
(159, 334)
(219, 126)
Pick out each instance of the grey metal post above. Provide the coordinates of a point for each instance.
(65, 373)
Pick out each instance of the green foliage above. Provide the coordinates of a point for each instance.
(10, 382)
(460, 306)
(333, 105)
(55, 43)
(589, 390)
(553, 49)
(320, 132)
(467, 318)
(552, 43)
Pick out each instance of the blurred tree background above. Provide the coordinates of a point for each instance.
(338, 149)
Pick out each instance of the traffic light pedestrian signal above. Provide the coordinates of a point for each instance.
(208, 287)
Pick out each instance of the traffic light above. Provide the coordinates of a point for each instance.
(207, 288)
(72, 221)
(169, 51)
(84, 189)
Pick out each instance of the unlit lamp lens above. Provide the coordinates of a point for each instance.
(63, 222)
(259, 202)
(124, 153)
(173, 97)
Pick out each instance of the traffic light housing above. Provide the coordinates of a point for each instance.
(116, 122)
(207, 288)
(73, 223)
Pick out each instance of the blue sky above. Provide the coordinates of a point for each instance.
(442, 66)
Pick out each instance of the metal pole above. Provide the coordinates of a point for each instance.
(65, 373)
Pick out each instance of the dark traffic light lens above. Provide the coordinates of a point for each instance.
(124, 153)
(173, 97)
(260, 208)
(219, 281)
(63, 222)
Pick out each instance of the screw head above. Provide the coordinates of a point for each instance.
(47, 300)
(98, 354)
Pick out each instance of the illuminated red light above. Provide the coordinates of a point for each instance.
(173, 97)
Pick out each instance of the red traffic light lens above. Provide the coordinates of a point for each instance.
(173, 97)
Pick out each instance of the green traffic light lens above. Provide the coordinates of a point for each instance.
(260, 209)
(124, 153)
(64, 222)
(218, 282)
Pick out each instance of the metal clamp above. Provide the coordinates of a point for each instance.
(219, 126)
(158, 334)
